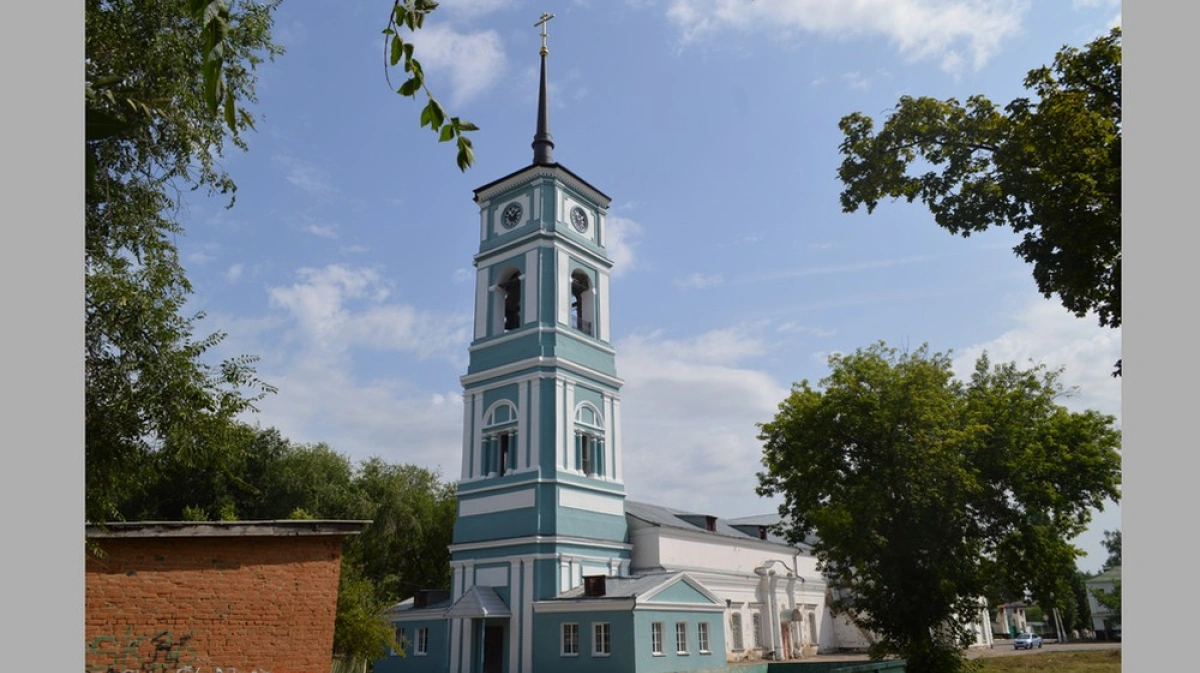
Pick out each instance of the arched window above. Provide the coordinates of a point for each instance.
(583, 302)
(499, 440)
(508, 300)
(735, 628)
(589, 440)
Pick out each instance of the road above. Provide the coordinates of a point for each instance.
(1004, 648)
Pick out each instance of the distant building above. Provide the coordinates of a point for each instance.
(244, 595)
(1106, 625)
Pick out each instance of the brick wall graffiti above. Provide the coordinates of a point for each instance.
(161, 652)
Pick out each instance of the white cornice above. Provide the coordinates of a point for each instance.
(542, 329)
(533, 173)
(540, 539)
(529, 363)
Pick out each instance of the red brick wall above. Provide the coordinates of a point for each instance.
(244, 603)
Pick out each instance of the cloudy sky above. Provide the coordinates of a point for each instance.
(346, 262)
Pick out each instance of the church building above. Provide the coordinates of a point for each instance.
(552, 567)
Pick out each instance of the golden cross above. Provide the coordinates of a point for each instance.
(546, 16)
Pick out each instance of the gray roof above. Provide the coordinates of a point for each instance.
(624, 587)
(479, 601)
(741, 528)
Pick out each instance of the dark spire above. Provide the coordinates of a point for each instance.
(543, 142)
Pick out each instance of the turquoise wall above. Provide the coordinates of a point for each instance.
(433, 662)
(671, 661)
(547, 643)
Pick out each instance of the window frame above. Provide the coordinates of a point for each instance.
(601, 639)
(421, 648)
(656, 639)
(756, 620)
(702, 639)
(681, 639)
(568, 635)
(735, 628)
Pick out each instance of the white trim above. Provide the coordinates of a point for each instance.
(539, 539)
(562, 288)
(489, 486)
(589, 605)
(520, 458)
(590, 501)
(466, 436)
(533, 173)
(560, 451)
(530, 287)
(476, 447)
(491, 504)
(603, 332)
(567, 424)
(527, 615)
(534, 398)
(481, 301)
(528, 363)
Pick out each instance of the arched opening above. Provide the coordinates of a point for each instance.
(508, 300)
(583, 302)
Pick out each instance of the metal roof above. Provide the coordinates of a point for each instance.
(479, 601)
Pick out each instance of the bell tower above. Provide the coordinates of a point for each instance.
(541, 494)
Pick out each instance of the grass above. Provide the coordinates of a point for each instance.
(1086, 661)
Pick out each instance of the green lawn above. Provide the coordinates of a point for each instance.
(1088, 661)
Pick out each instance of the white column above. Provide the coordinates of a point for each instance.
(529, 286)
(522, 426)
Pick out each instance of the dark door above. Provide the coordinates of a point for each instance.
(493, 649)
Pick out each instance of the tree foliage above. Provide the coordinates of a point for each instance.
(1048, 167)
(926, 492)
(405, 547)
(1112, 544)
(410, 15)
(152, 70)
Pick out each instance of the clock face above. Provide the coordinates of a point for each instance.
(579, 219)
(511, 215)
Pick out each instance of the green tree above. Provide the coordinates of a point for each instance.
(151, 135)
(1111, 600)
(1048, 167)
(925, 492)
(1112, 544)
(361, 633)
(412, 513)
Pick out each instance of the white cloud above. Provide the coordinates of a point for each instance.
(314, 181)
(473, 8)
(234, 273)
(338, 308)
(948, 31)
(689, 416)
(698, 281)
(473, 62)
(462, 275)
(1048, 334)
(619, 241)
(323, 230)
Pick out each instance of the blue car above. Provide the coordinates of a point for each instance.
(1027, 641)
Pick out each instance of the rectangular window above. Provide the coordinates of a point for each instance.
(506, 442)
(702, 637)
(681, 644)
(601, 639)
(570, 640)
(656, 639)
(757, 619)
(422, 641)
(401, 640)
(735, 627)
(588, 461)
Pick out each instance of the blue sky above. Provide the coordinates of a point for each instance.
(346, 261)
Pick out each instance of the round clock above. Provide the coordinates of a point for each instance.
(579, 219)
(511, 215)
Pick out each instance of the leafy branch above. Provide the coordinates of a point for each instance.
(411, 14)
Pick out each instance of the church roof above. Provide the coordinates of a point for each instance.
(479, 601)
(740, 528)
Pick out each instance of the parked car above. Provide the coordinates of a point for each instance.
(1027, 641)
